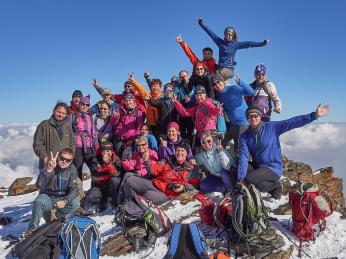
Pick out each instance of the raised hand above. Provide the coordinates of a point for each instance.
(52, 162)
(219, 145)
(179, 39)
(146, 75)
(237, 79)
(322, 110)
(163, 143)
(266, 41)
(95, 83)
(276, 110)
(200, 21)
(130, 77)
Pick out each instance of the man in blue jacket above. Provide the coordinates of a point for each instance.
(228, 48)
(235, 106)
(261, 141)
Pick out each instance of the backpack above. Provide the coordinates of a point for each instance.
(309, 210)
(80, 239)
(249, 217)
(43, 243)
(186, 241)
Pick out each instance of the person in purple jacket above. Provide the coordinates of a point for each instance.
(167, 146)
(261, 141)
(228, 47)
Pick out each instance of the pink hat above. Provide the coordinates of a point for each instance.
(173, 125)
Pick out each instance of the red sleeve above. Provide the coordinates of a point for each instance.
(189, 53)
(183, 111)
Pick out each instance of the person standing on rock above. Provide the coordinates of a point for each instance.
(261, 141)
(58, 187)
(53, 134)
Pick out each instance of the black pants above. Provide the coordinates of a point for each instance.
(186, 128)
(96, 193)
(264, 179)
(233, 132)
(80, 158)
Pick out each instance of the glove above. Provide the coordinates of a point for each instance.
(200, 21)
(265, 42)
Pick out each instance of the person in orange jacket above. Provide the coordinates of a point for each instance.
(155, 93)
(208, 59)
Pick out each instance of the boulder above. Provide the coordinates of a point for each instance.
(21, 186)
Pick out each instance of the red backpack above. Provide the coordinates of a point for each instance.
(309, 210)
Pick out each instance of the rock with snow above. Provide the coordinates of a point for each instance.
(21, 186)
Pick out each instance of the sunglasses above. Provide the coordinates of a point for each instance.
(107, 148)
(217, 82)
(141, 145)
(64, 159)
(169, 91)
(85, 104)
(253, 116)
(207, 141)
(199, 68)
(104, 109)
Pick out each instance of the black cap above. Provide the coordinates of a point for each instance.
(184, 145)
(214, 79)
(77, 93)
(200, 89)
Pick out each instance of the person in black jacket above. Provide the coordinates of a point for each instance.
(200, 76)
(58, 187)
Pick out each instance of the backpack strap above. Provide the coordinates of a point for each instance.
(198, 241)
(173, 241)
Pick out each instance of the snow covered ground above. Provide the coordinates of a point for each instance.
(17, 160)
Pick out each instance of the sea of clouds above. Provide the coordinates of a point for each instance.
(319, 145)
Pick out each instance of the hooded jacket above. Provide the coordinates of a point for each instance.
(210, 64)
(264, 146)
(205, 114)
(128, 124)
(61, 183)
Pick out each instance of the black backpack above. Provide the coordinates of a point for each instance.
(43, 243)
(186, 241)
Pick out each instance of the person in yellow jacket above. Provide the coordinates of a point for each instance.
(155, 93)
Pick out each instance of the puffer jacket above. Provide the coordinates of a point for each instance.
(173, 173)
(128, 124)
(61, 183)
(46, 139)
(210, 64)
(152, 112)
(104, 171)
(205, 114)
(136, 164)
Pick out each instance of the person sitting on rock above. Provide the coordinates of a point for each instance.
(106, 180)
(261, 141)
(58, 189)
(218, 163)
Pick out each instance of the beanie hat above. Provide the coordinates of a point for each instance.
(174, 125)
(184, 145)
(200, 89)
(85, 99)
(128, 96)
(77, 93)
(229, 29)
(253, 109)
(260, 69)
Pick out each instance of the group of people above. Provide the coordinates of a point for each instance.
(161, 142)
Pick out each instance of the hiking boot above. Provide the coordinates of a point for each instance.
(276, 193)
(118, 215)
(153, 221)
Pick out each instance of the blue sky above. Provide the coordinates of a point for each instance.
(50, 48)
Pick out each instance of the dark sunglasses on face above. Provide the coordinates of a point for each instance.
(64, 159)
(85, 104)
(141, 144)
(103, 109)
(253, 116)
(169, 91)
(207, 141)
(199, 68)
(217, 82)
(107, 148)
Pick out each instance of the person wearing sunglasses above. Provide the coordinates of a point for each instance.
(106, 97)
(166, 109)
(208, 59)
(261, 141)
(228, 47)
(53, 134)
(58, 189)
(265, 93)
(218, 164)
(200, 77)
(105, 180)
(235, 106)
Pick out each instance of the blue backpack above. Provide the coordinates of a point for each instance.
(186, 241)
(80, 239)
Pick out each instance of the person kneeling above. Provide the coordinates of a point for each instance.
(218, 163)
(106, 180)
(58, 187)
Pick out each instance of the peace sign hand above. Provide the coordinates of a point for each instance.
(52, 162)
(130, 77)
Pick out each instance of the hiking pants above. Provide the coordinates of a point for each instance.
(80, 158)
(264, 179)
(96, 193)
(214, 183)
(134, 186)
(234, 132)
(186, 128)
(44, 203)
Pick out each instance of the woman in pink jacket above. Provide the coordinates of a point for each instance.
(205, 113)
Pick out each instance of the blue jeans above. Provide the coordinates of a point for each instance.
(44, 203)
